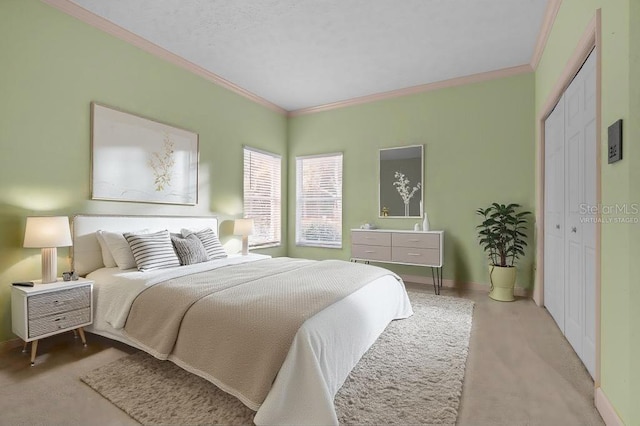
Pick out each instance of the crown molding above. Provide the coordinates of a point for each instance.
(454, 82)
(550, 14)
(109, 27)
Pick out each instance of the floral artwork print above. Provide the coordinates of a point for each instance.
(162, 164)
(141, 160)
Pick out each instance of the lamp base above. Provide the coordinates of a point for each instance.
(245, 245)
(49, 265)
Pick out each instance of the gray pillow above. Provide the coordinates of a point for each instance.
(190, 249)
(210, 242)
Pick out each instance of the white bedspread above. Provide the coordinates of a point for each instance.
(323, 352)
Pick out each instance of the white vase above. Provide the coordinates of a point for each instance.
(425, 222)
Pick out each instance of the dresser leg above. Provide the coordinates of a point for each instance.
(24, 348)
(81, 332)
(435, 282)
(34, 350)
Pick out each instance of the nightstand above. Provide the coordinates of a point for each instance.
(48, 309)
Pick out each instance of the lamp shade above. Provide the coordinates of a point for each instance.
(49, 231)
(243, 227)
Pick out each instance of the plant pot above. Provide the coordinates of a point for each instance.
(503, 279)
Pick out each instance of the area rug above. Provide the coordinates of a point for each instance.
(412, 374)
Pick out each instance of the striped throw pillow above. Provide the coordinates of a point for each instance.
(152, 251)
(190, 249)
(210, 242)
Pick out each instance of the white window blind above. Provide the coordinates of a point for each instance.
(262, 196)
(319, 201)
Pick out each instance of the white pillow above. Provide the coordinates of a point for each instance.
(119, 248)
(107, 257)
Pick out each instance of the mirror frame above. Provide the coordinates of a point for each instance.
(421, 191)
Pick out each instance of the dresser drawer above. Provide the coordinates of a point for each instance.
(371, 238)
(58, 322)
(381, 253)
(41, 305)
(417, 256)
(419, 240)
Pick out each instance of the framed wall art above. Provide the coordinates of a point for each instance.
(141, 160)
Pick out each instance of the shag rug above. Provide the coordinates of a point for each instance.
(412, 374)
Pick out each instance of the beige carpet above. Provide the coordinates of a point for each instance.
(413, 374)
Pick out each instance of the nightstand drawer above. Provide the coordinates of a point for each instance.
(53, 323)
(41, 305)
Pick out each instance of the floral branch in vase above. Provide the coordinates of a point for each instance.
(402, 186)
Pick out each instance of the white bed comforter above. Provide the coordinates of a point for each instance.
(324, 350)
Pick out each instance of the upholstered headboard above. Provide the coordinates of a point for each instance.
(87, 256)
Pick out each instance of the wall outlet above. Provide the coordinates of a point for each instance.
(615, 142)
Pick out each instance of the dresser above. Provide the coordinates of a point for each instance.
(417, 248)
(48, 309)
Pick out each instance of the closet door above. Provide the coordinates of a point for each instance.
(580, 180)
(570, 233)
(554, 214)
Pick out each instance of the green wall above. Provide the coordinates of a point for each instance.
(479, 148)
(53, 66)
(620, 296)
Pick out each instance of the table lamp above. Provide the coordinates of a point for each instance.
(243, 227)
(48, 233)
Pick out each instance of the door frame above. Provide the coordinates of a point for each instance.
(591, 39)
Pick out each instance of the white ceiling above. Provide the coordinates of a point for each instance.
(304, 53)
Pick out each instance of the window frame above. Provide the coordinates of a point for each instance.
(274, 201)
(310, 243)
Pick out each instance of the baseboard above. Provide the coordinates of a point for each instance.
(418, 279)
(606, 410)
(10, 344)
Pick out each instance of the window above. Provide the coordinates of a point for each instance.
(319, 201)
(262, 200)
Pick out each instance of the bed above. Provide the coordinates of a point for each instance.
(311, 362)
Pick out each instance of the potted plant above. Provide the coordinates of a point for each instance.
(502, 236)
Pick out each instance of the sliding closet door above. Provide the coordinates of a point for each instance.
(554, 214)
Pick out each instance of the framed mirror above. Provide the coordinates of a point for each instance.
(400, 182)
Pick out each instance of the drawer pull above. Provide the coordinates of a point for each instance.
(369, 251)
(60, 319)
(414, 241)
(413, 254)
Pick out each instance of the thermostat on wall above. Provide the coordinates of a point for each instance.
(615, 142)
